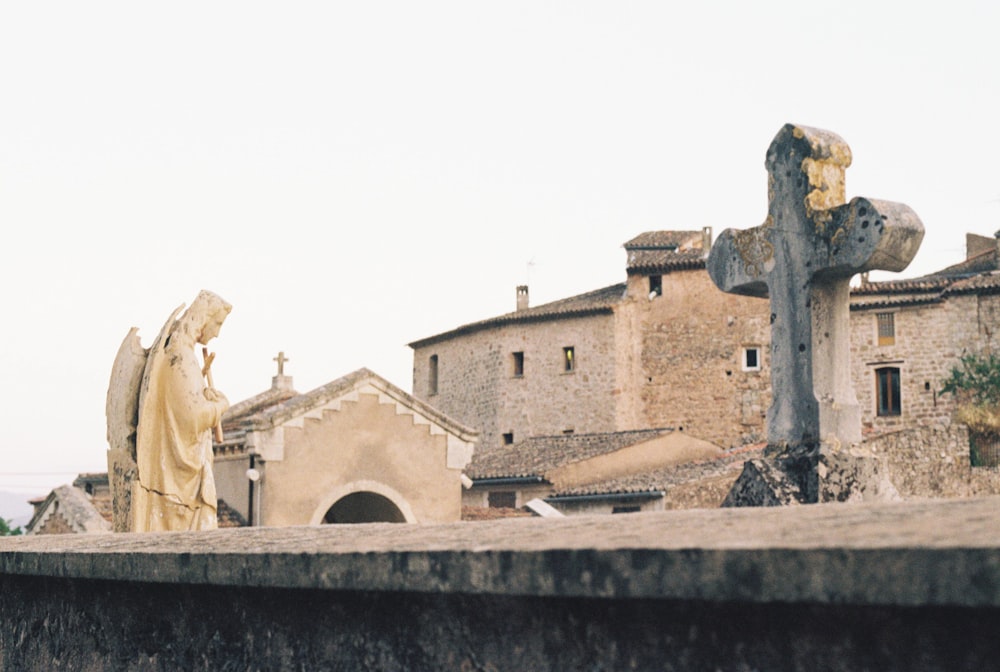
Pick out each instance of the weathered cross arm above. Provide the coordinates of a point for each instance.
(867, 234)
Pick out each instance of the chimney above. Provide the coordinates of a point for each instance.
(522, 297)
(706, 239)
(976, 245)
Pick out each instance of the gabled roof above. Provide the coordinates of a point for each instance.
(599, 301)
(537, 455)
(257, 404)
(984, 283)
(652, 252)
(74, 507)
(682, 241)
(665, 251)
(263, 417)
(979, 274)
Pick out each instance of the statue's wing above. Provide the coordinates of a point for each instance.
(122, 408)
(122, 413)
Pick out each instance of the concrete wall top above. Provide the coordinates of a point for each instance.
(911, 553)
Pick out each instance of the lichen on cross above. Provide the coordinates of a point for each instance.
(803, 257)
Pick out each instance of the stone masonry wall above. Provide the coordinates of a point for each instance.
(477, 385)
(929, 341)
(690, 363)
(934, 462)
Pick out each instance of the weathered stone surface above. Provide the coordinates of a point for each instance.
(808, 474)
(902, 586)
(103, 626)
(912, 553)
(122, 413)
(803, 257)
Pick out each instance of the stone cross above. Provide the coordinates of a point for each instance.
(281, 359)
(803, 257)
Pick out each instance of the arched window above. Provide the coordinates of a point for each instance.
(888, 402)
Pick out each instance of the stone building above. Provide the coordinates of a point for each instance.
(357, 449)
(665, 348)
(84, 507)
(79, 508)
(907, 335)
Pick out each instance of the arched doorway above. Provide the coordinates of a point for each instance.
(338, 504)
(363, 507)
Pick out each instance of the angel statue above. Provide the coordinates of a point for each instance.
(161, 411)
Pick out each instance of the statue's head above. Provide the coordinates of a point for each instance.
(205, 316)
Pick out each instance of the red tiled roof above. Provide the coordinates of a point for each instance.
(600, 301)
(230, 517)
(537, 455)
(664, 478)
(646, 262)
(679, 240)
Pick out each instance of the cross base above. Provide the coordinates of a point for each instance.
(811, 474)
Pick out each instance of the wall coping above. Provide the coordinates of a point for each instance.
(915, 553)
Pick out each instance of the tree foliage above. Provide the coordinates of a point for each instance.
(7, 531)
(976, 380)
(975, 384)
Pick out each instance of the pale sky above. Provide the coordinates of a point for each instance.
(356, 176)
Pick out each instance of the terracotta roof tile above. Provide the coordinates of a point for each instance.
(679, 240)
(980, 263)
(984, 283)
(230, 517)
(664, 478)
(596, 302)
(537, 455)
(473, 513)
(646, 262)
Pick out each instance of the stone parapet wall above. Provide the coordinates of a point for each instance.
(891, 587)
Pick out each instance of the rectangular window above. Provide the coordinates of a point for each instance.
(887, 392)
(502, 500)
(751, 358)
(569, 359)
(432, 375)
(518, 364)
(886, 328)
(630, 508)
(655, 286)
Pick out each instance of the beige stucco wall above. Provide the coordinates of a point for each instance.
(365, 446)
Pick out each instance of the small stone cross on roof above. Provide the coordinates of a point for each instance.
(803, 257)
(281, 359)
